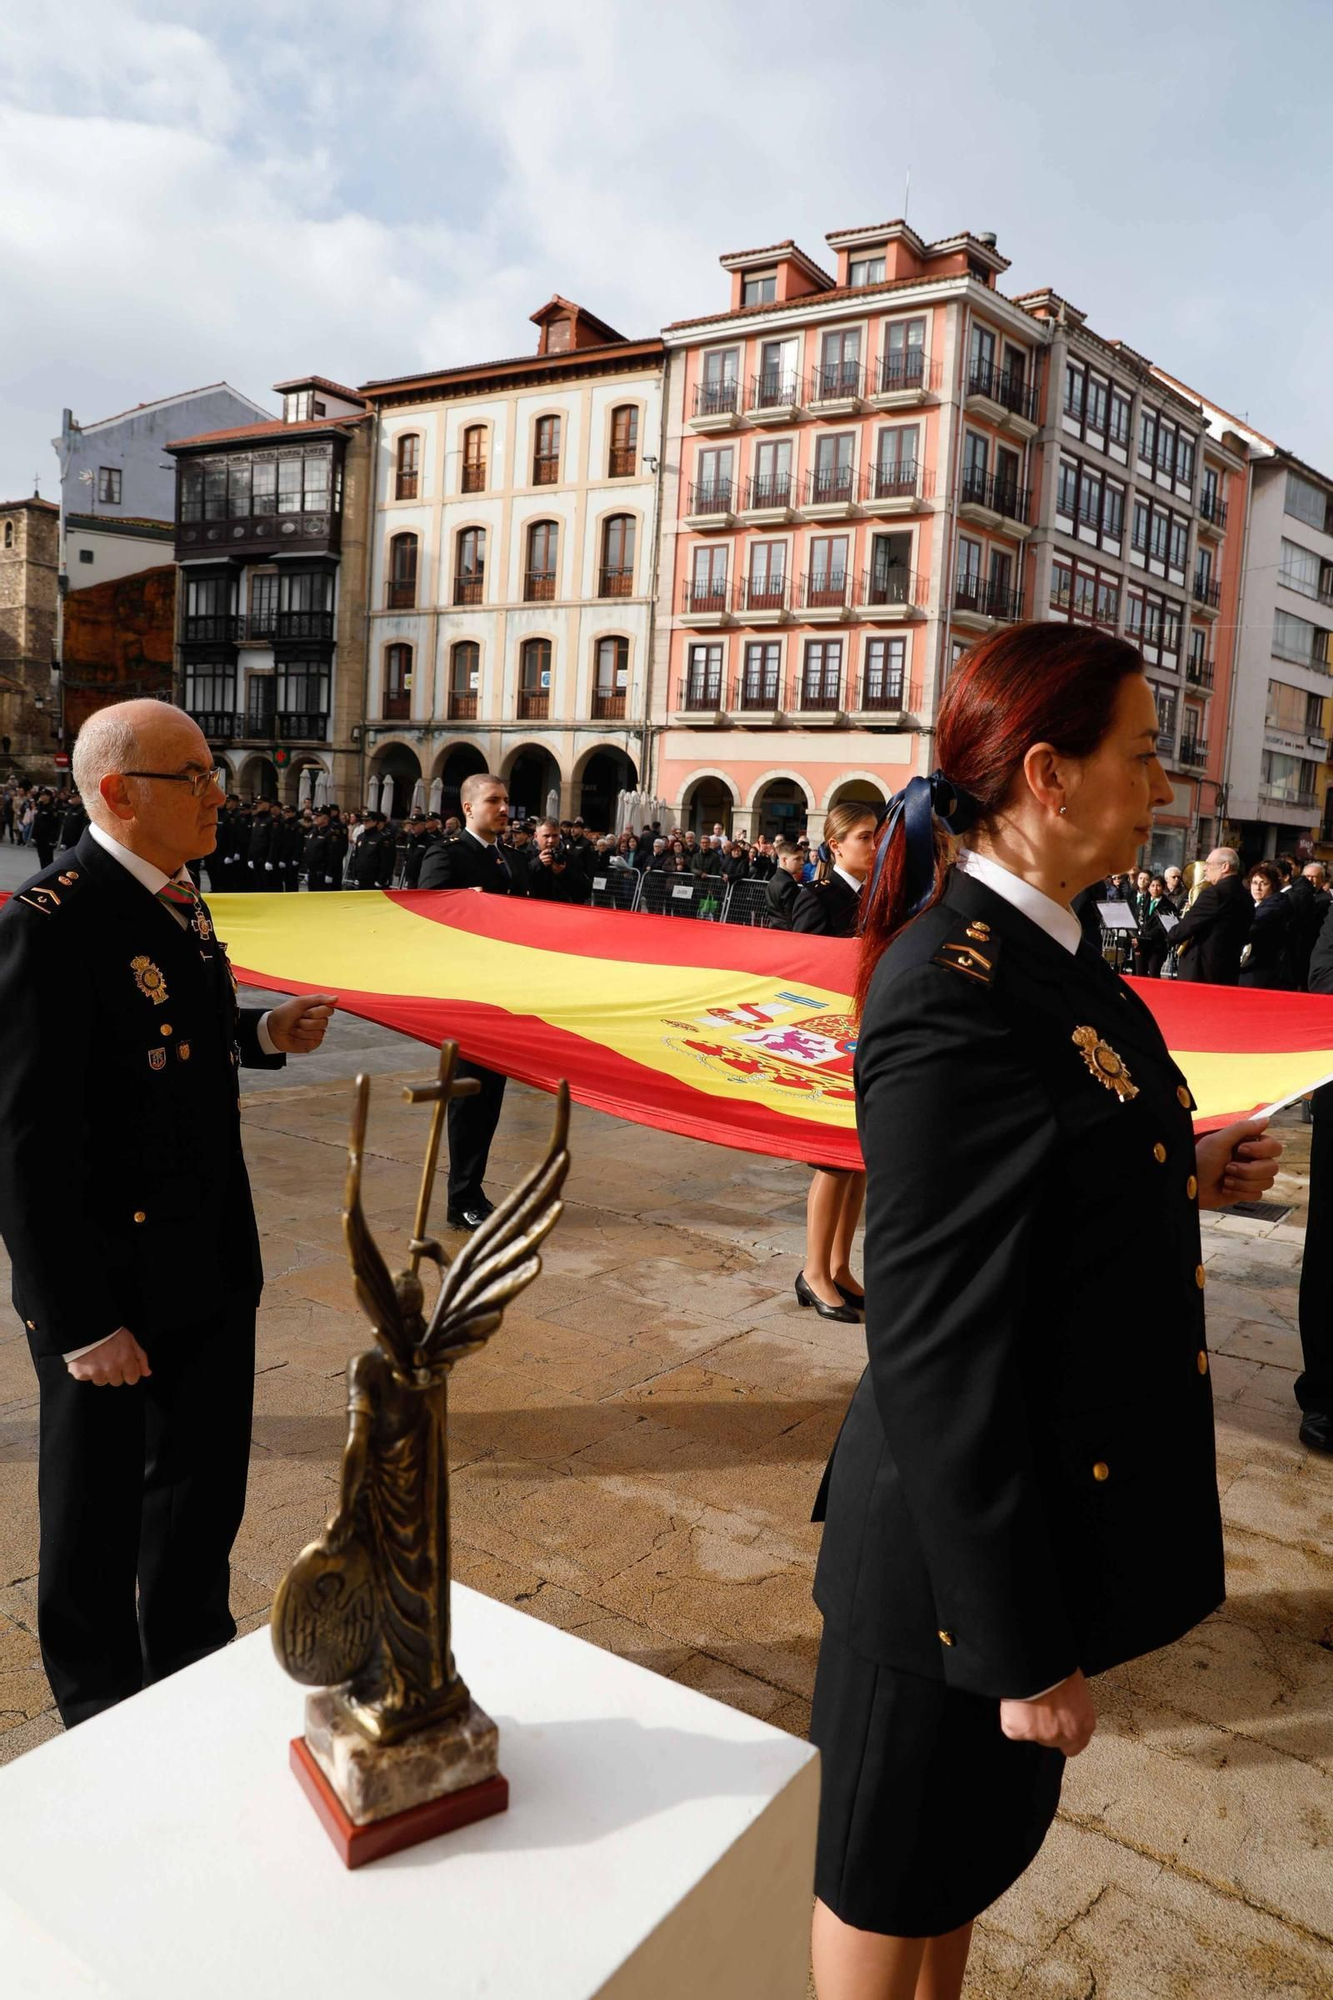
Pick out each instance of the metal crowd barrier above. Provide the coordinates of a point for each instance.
(615, 889)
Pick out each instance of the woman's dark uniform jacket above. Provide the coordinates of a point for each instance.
(1025, 1482)
(826, 909)
(156, 1226)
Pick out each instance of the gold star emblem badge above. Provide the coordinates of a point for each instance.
(1108, 1068)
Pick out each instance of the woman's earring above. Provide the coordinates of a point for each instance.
(1063, 811)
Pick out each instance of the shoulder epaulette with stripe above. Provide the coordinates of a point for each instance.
(49, 898)
(976, 961)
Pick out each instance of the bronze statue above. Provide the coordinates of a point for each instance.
(364, 1610)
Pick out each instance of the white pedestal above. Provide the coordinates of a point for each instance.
(657, 1844)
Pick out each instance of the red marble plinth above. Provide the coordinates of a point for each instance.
(358, 1844)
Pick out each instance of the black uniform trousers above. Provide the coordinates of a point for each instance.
(472, 1123)
(1314, 1388)
(142, 1483)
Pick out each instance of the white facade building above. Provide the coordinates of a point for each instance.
(513, 570)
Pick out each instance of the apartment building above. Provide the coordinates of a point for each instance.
(1140, 520)
(1276, 775)
(847, 505)
(514, 569)
(271, 522)
(30, 737)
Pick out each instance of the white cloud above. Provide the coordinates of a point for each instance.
(195, 191)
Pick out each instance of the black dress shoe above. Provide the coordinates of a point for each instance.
(856, 1300)
(808, 1298)
(470, 1218)
(1317, 1431)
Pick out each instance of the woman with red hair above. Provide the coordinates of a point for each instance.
(1023, 1492)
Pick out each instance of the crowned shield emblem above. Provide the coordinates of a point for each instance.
(1109, 1069)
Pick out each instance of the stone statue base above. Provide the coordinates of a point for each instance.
(374, 1799)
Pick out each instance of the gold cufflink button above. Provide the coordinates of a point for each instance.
(1101, 1470)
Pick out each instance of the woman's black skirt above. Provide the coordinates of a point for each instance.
(927, 1811)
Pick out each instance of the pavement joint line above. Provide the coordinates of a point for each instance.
(1172, 1866)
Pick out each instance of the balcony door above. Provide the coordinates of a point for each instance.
(976, 465)
(896, 459)
(890, 569)
(263, 622)
(703, 677)
(821, 674)
(768, 576)
(833, 467)
(981, 359)
(840, 362)
(1008, 472)
(999, 581)
(828, 569)
(772, 474)
(708, 577)
(904, 365)
(884, 670)
(777, 372)
(762, 678)
(259, 705)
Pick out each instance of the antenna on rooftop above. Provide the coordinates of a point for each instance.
(907, 190)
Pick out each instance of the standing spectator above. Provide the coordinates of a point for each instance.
(829, 908)
(1266, 959)
(1212, 934)
(1175, 886)
(548, 876)
(45, 828)
(73, 822)
(1154, 937)
(783, 886)
(1307, 901)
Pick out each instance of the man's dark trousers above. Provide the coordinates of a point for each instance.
(1314, 1388)
(119, 1501)
(472, 1123)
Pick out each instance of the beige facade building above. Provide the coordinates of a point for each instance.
(513, 570)
(29, 689)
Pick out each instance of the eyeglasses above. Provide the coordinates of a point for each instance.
(198, 781)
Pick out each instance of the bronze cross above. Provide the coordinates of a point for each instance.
(440, 1093)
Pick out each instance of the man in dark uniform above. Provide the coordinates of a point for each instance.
(119, 1031)
(259, 848)
(72, 822)
(319, 854)
(1314, 1386)
(1216, 926)
(338, 842)
(288, 845)
(45, 828)
(473, 862)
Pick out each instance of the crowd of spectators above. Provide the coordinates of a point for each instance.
(1255, 928)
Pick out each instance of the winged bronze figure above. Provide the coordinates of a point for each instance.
(364, 1609)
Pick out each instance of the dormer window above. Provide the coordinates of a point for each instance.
(759, 289)
(298, 407)
(866, 271)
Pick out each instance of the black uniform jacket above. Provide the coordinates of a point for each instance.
(1216, 925)
(1024, 1483)
(466, 863)
(781, 891)
(826, 909)
(136, 1093)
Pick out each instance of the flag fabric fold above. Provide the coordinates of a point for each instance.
(740, 1036)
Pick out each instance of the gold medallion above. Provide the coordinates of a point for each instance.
(148, 978)
(1105, 1064)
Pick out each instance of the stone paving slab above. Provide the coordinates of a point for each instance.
(635, 1458)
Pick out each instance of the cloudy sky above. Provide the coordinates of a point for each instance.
(233, 190)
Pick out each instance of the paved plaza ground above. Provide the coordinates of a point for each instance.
(635, 1457)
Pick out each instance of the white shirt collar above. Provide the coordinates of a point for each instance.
(1049, 916)
(477, 837)
(850, 880)
(143, 871)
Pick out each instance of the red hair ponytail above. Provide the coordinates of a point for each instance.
(1028, 684)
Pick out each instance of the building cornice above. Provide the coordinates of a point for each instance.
(855, 301)
(622, 358)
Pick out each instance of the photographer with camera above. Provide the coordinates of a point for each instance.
(552, 875)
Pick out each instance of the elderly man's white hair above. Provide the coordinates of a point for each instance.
(109, 741)
(1229, 857)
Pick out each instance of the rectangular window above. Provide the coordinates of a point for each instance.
(290, 486)
(903, 365)
(1307, 502)
(263, 605)
(191, 486)
(1180, 536)
(215, 489)
(264, 486)
(210, 689)
(238, 488)
(885, 674)
(303, 692)
(1113, 512)
(821, 676)
(703, 679)
(1085, 593)
(1185, 460)
(1161, 534)
(1299, 640)
(828, 569)
(759, 290)
(1134, 615)
(1121, 416)
(969, 562)
(1090, 499)
(1097, 394)
(1147, 435)
(1166, 710)
(761, 685)
(1287, 707)
(1062, 586)
(1066, 498)
(1108, 601)
(1142, 521)
(865, 271)
(1076, 387)
(1299, 569)
(108, 485)
(1290, 780)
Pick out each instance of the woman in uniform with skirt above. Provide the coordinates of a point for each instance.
(1023, 1492)
(829, 907)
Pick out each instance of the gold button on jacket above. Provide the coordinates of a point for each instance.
(139, 1215)
(1191, 1187)
(947, 1639)
(1184, 1097)
(1101, 1470)
(1201, 1362)
(1199, 1276)
(1159, 1153)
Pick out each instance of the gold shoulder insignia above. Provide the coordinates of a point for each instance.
(966, 958)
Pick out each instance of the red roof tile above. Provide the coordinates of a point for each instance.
(275, 428)
(317, 382)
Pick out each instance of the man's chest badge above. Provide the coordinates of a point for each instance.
(148, 978)
(1108, 1068)
(202, 927)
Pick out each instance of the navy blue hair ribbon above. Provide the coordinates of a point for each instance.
(918, 805)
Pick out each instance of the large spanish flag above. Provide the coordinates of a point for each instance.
(726, 1033)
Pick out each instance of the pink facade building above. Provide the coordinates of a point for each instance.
(847, 505)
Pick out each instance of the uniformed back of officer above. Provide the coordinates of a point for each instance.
(1023, 1492)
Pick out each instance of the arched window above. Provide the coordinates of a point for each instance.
(534, 680)
(470, 568)
(543, 560)
(9, 534)
(617, 578)
(403, 572)
(397, 683)
(409, 460)
(464, 680)
(474, 459)
(546, 452)
(612, 679)
(624, 457)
